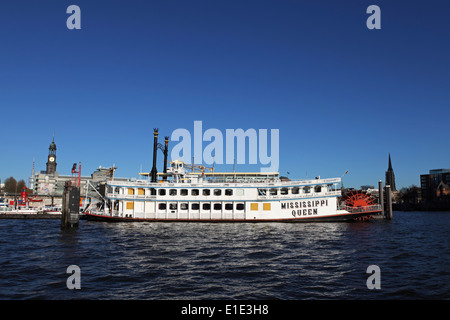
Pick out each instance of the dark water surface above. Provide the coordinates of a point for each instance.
(228, 261)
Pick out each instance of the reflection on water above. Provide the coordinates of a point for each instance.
(228, 260)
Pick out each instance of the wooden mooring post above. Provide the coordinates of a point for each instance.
(388, 210)
(381, 196)
(70, 206)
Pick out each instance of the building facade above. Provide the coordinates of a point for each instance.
(435, 185)
(49, 184)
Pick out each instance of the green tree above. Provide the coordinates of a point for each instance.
(10, 185)
(411, 195)
(20, 185)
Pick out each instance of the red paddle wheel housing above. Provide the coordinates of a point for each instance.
(357, 199)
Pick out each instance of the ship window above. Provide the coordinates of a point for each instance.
(162, 192)
(153, 191)
(130, 205)
(307, 190)
(217, 206)
(162, 206)
(284, 191)
(173, 206)
(254, 206)
(141, 192)
(130, 191)
(317, 189)
(239, 192)
(273, 192)
(206, 192)
(195, 206)
(195, 192)
(183, 206)
(183, 192)
(228, 192)
(266, 206)
(240, 206)
(295, 190)
(228, 206)
(172, 192)
(206, 206)
(262, 192)
(217, 192)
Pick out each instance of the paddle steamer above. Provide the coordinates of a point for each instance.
(187, 192)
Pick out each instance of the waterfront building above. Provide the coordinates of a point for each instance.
(49, 184)
(435, 185)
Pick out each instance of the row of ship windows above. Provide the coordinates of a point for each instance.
(218, 192)
(194, 206)
(185, 192)
(206, 206)
(285, 191)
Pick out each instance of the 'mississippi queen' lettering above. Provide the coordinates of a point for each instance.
(304, 204)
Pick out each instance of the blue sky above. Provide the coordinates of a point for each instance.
(342, 96)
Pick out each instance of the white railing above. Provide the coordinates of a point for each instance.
(129, 196)
(373, 208)
(19, 210)
(336, 193)
(230, 182)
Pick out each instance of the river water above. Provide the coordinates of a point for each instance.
(284, 261)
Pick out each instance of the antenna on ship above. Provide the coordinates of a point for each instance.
(342, 180)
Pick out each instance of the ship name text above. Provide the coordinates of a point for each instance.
(311, 206)
(304, 204)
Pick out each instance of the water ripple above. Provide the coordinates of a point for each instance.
(227, 261)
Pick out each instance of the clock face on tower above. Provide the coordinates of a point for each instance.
(51, 159)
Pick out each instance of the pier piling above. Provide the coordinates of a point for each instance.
(388, 210)
(70, 206)
(381, 196)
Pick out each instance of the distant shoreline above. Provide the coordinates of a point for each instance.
(433, 206)
(30, 216)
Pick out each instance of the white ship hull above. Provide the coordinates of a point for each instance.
(342, 215)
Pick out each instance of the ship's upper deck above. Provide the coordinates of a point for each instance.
(178, 176)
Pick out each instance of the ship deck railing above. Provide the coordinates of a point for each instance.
(334, 193)
(225, 183)
(373, 208)
(281, 197)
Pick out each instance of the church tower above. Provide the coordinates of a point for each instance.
(51, 163)
(390, 177)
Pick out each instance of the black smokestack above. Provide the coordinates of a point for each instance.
(155, 147)
(166, 151)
